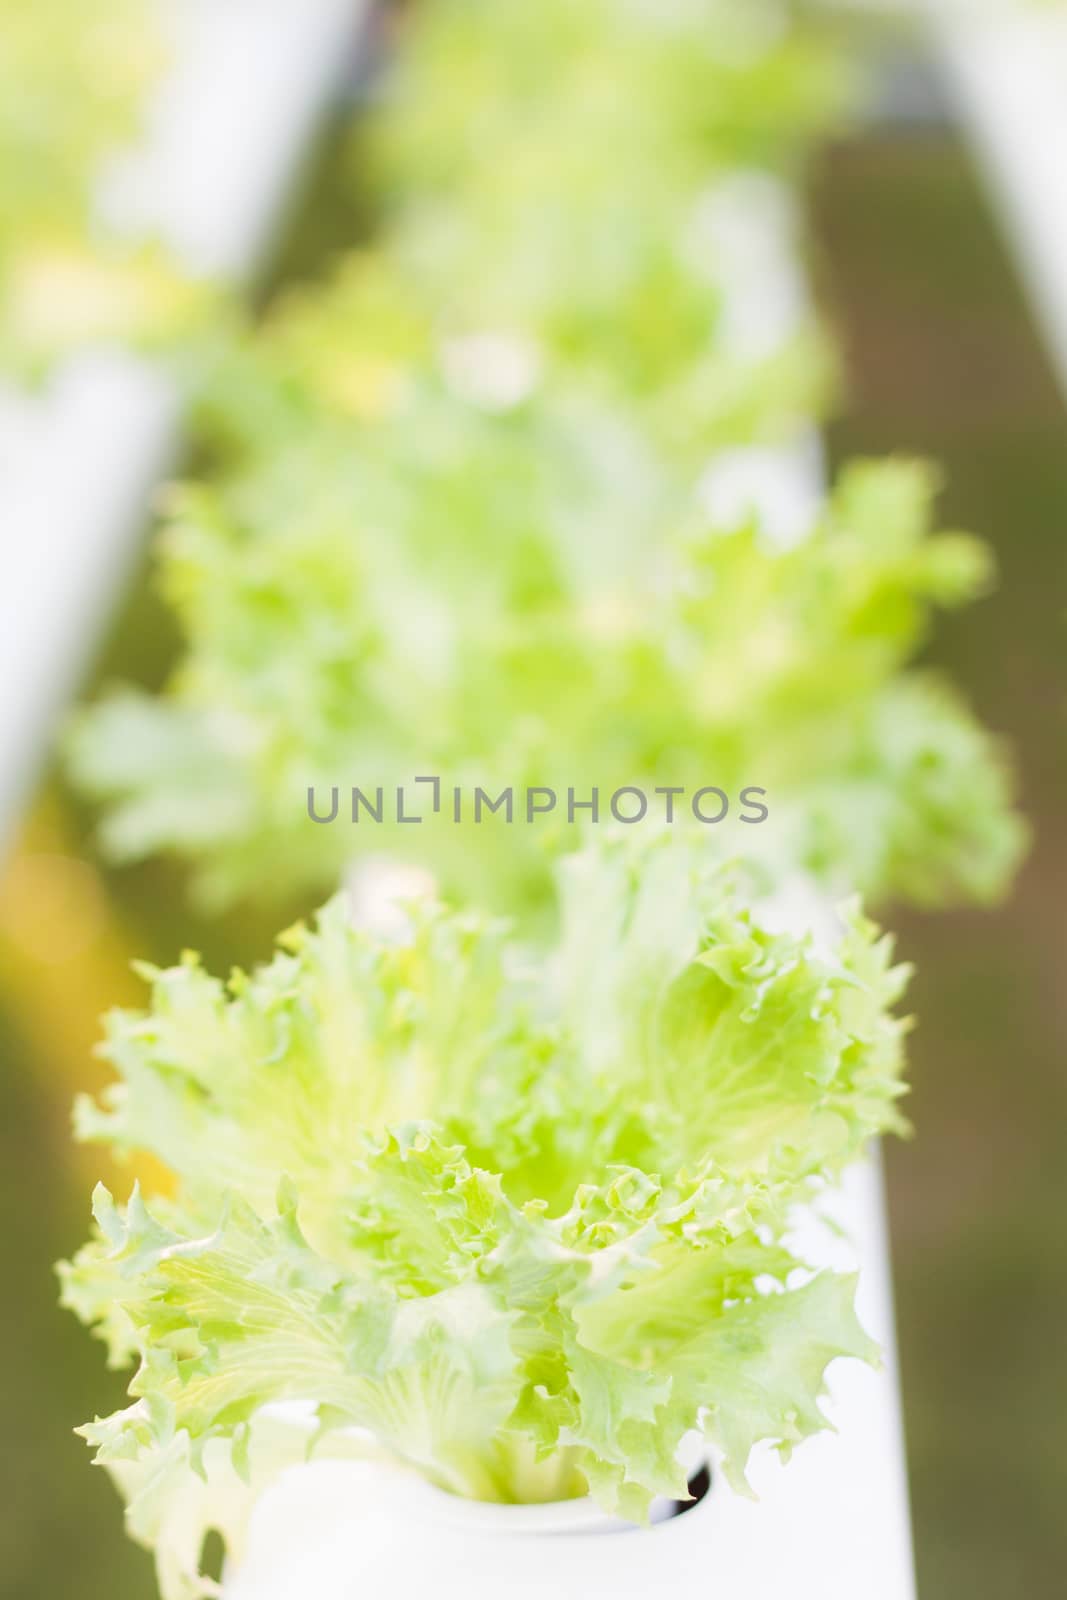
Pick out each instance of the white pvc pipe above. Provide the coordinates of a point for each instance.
(1006, 67)
(832, 1525)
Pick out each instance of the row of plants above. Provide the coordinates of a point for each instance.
(501, 1194)
(455, 519)
(74, 100)
(517, 1220)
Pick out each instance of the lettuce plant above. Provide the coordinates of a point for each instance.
(468, 599)
(71, 97)
(552, 171)
(514, 1222)
(519, 1221)
(590, 253)
(73, 88)
(359, 347)
(453, 526)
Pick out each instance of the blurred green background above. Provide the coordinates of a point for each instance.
(941, 359)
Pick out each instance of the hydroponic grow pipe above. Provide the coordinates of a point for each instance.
(227, 135)
(1006, 69)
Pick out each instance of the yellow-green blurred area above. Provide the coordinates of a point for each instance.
(942, 360)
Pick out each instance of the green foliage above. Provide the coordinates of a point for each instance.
(73, 87)
(553, 170)
(69, 97)
(475, 597)
(452, 523)
(518, 1219)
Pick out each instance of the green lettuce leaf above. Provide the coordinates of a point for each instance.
(450, 524)
(671, 1027)
(583, 229)
(447, 619)
(513, 1222)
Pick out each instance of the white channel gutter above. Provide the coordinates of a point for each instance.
(835, 1523)
(79, 460)
(1005, 65)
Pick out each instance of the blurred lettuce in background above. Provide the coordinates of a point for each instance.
(74, 97)
(69, 98)
(462, 617)
(469, 525)
(556, 172)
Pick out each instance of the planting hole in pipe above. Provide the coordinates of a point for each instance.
(699, 1489)
(213, 1556)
